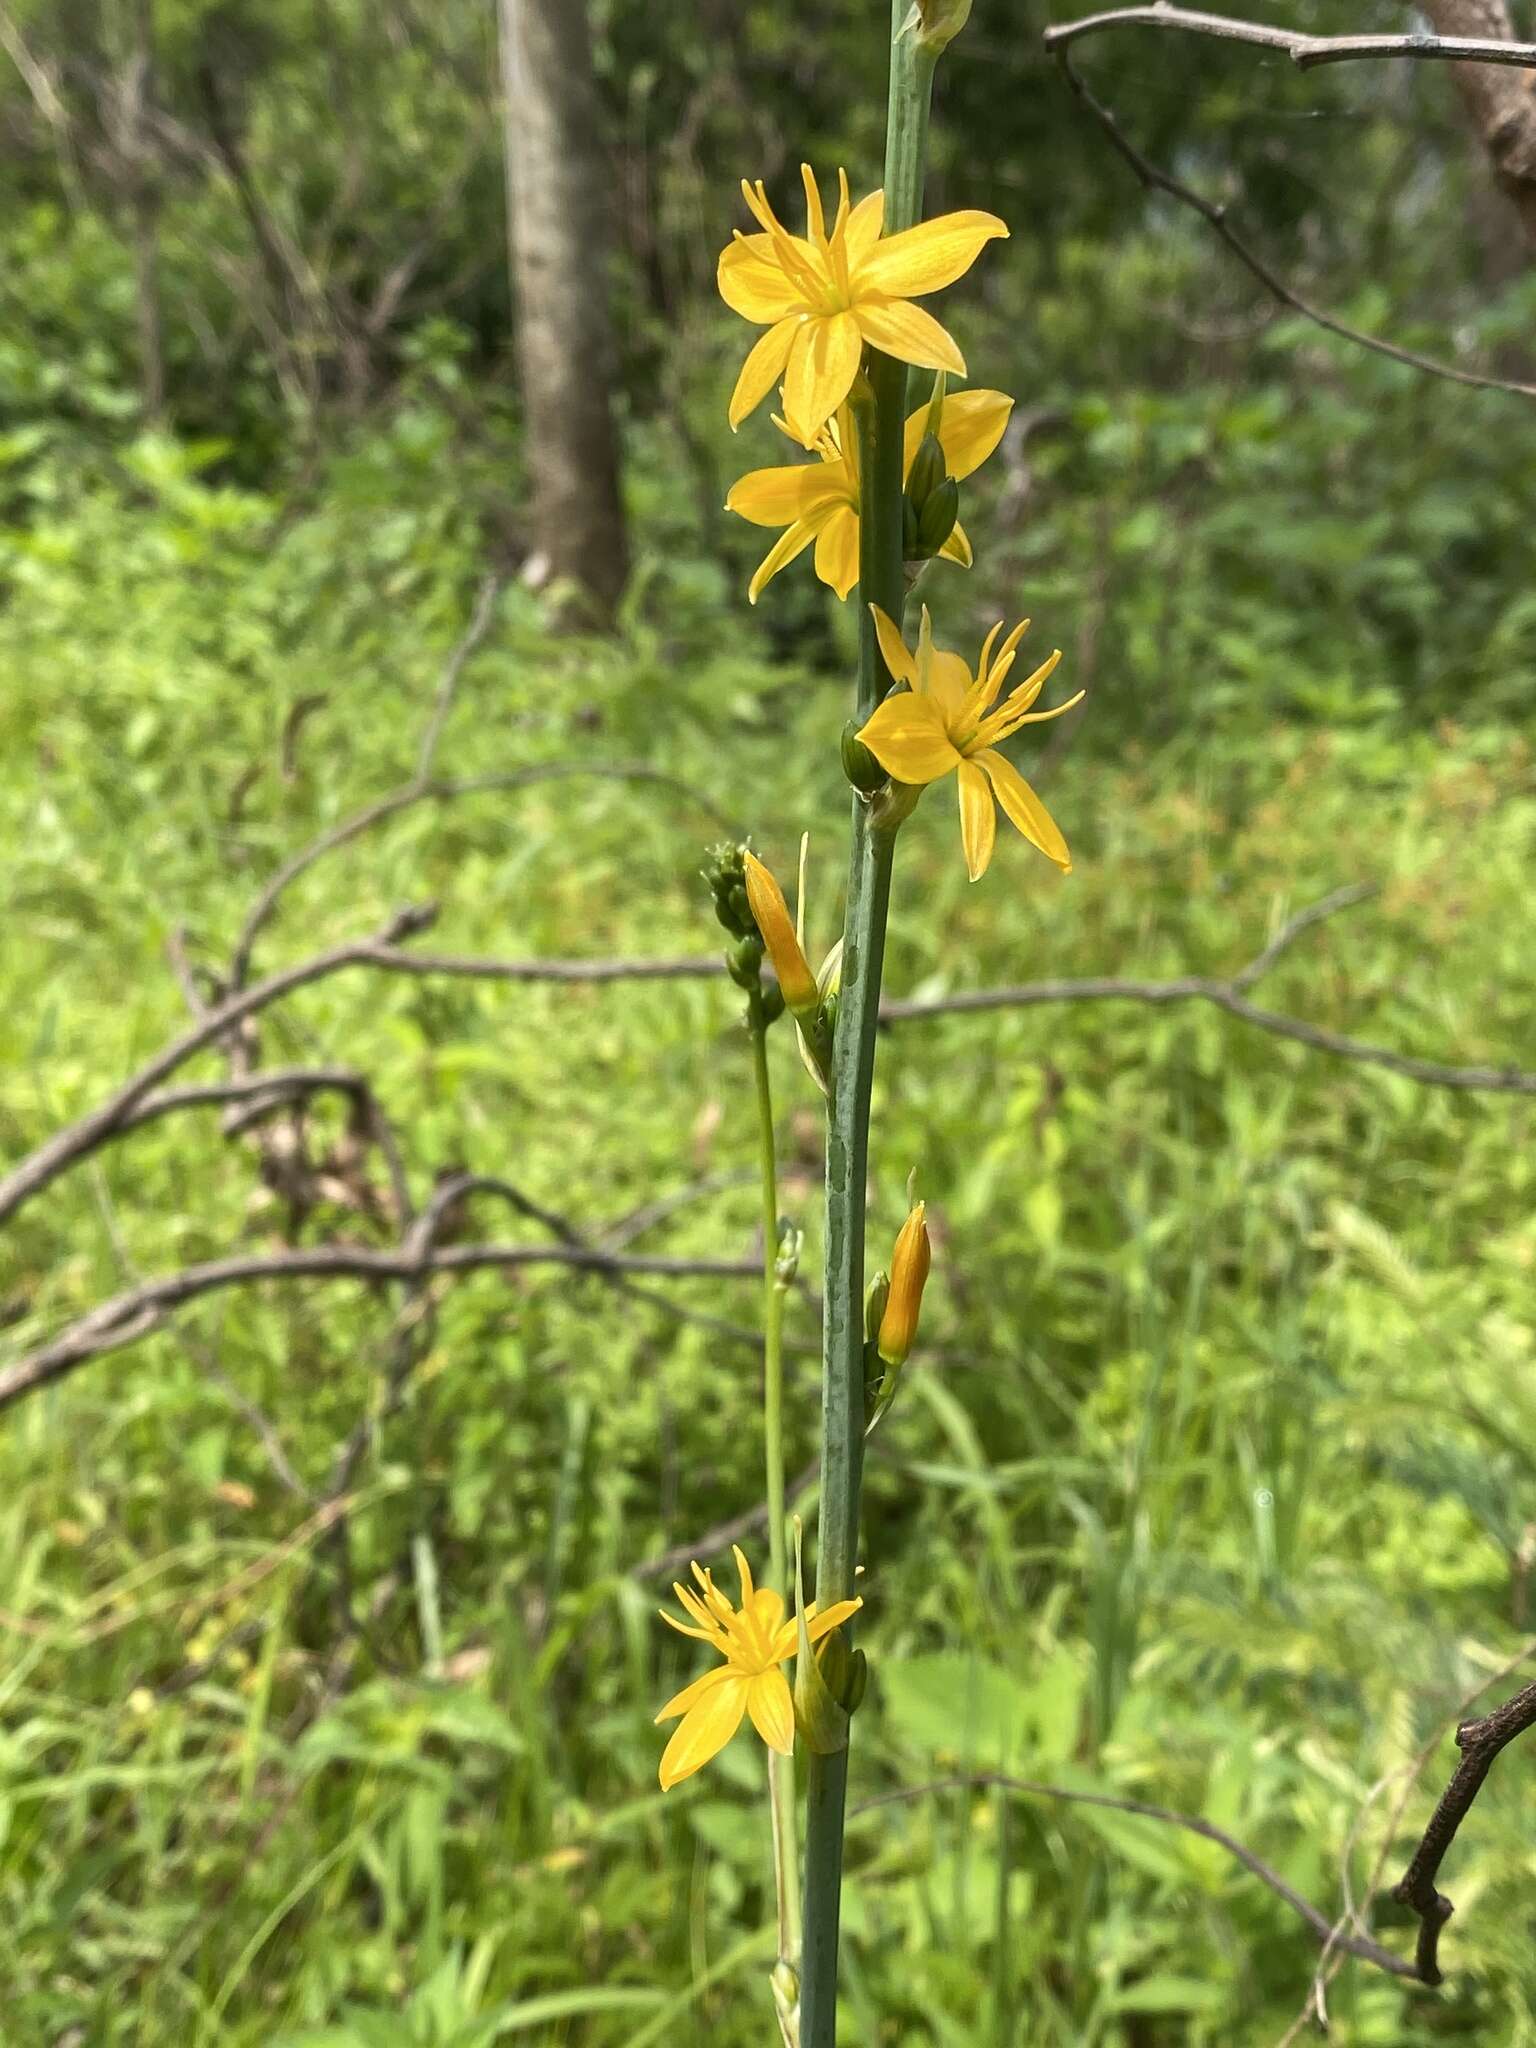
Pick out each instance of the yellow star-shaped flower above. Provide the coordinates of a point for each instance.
(823, 296)
(819, 501)
(755, 1640)
(939, 726)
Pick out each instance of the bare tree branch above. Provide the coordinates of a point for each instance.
(137, 1100)
(1480, 1742)
(1305, 52)
(138, 1311)
(1154, 178)
(1354, 1944)
(435, 792)
(668, 1562)
(78, 1139)
(1229, 994)
(477, 967)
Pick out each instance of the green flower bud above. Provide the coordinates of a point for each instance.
(936, 23)
(859, 764)
(936, 521)
(744, 961)
(928, 471)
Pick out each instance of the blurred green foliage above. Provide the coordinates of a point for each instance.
(1213, 1482)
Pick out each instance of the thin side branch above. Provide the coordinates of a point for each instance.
(1354, 1944)
(1154, 178)
(139, 1311)
(1305, 52)
(1479, 1742)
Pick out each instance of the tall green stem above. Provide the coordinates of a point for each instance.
(881, 581)
(781, 1769)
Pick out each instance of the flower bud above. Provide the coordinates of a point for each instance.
(936, 23)
(771, 914)
(936, 521)
(928, 470)
(859, 764)
(909, 1275)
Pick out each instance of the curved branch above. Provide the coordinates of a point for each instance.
(1305, 52)
(138, 1311)
(136, 1101)
(425, 790)
(73, 1143)
(1479, 1742)
(1196, 988)
(1155, 179)
(1355, 1944)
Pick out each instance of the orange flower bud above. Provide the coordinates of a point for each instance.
(801, 996)
(909, 1275)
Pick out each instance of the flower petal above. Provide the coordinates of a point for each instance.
(898, 656)
(744, 1573)
(927, 257)
(793, 541)
(772, 1710)
(823, 362)
(763, 369)
(949, 681)
(690, 1695)
(978, 819)
(768, 1611)
(819, 1625)
(1024, 809)
(775, 497)
(704, 1635)
(971, 424)
(1015, 711)
(837, 551)
(906, 736)
(753, 283)
(908, 333)
(958, 547)
(704, 1730)
(863, 230)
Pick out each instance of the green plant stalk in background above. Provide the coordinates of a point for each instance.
(880, 414)
(781, 1769)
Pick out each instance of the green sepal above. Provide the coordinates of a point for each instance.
(929, 469)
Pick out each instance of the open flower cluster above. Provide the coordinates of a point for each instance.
(824, 298)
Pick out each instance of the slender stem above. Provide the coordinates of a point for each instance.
(879, 420)
(781, 1769)
(773, 1304)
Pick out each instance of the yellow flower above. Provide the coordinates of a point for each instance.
(771, 914)
(823, 297)
(909, 1275)
(820, 500)
(938, 727)
(755, 1640)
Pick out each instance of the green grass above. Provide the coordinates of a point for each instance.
(1211, 1482)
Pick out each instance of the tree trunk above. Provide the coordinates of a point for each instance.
(558, 237)
(1500, 100)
